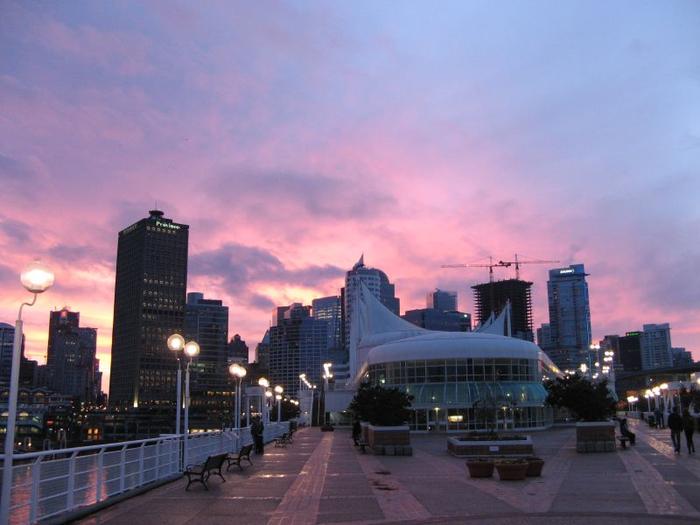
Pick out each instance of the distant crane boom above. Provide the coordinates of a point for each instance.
(500, 264)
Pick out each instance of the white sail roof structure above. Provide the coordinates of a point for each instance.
(377, 334)
(372, 324)
(500, 325)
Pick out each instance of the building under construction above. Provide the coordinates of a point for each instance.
(493, 296)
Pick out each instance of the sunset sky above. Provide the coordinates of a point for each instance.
(294, 136)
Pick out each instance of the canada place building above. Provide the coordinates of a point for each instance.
(149, 305)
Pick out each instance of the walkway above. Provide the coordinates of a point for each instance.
(321, 478)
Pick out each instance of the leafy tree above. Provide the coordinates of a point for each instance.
(381, 406)
(586, 400)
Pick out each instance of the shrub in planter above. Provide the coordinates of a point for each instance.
(586, 400)
(534, 466)
(383, 407)
(512, 469)
(480, 468)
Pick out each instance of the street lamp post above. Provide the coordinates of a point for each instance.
(191, 351)
(326, 376)
(176, 343)
(278, 398)
(263, 382)
(36, 278)
(238, 372)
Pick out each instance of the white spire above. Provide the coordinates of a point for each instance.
(360, 263)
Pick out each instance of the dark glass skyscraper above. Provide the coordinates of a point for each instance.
(206, 321)
(569, 317)
(73, 368)
(298, 343)
(149, 305)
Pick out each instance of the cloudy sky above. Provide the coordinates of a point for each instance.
(294, 136)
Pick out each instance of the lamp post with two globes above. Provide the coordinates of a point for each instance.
(176, 343)
(238, 372)
(36, 278)
(191, 349)
(278, 398)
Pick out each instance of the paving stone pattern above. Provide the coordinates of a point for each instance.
(322, 478)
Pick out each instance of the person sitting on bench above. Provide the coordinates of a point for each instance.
(625, 431)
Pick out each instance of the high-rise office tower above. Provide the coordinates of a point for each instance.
(611, 343)
(681, 357)
(492, 298)
(329, 309)
(544, 336)
(298, 344)
(7, 339)
(656, 346)
(441, 300)
(237, 350)
(630, 346)
(149, 306)
(569, 317)
(72, 364)
(378, 284)
(206, 321)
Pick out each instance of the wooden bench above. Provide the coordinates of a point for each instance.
(283, 440)
(235, 459)
(202, 472)
(623, 441)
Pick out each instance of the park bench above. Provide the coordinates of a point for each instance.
(235, 459)
(623, 441)
(283, 440)
(363, 445)
(202, 472)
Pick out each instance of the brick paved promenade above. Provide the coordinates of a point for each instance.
(322, 478)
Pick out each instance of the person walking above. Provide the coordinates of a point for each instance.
(689, 428)
(659, 418)
(356, 432)
(675, 423)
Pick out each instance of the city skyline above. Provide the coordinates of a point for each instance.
(289, 155)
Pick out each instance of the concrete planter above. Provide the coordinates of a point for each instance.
(464, 448)
(534, 466)
(514, 470)
(595, 436)
(364, 426)
(391, 441)
(480, 468)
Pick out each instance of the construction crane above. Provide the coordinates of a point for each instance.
(499, 264)
(517, 263)
(490, 266)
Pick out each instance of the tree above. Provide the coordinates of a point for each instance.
(381, 406)
(586, 400)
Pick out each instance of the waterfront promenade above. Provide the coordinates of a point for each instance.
(322, 478)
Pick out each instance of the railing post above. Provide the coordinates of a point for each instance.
(71, 481)
(36, 478)
(157, 476)
(100, 475)
(141, 451)
(122, 469)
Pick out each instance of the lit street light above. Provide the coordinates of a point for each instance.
(176, 343)
(36, 278)
(238, 372)
(278, 397)
(191, 351)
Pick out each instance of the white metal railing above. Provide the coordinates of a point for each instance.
(50, 483)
